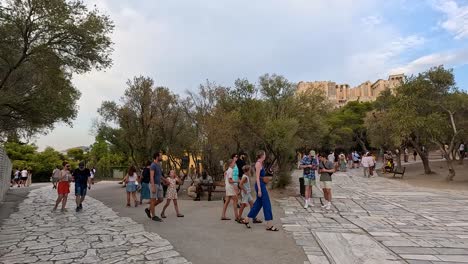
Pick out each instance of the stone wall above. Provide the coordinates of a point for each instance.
(5, 173)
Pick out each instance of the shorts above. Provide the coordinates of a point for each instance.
(246, 198)
(309, 181)
(63, 187)
(230, 190)
(326, 184)
(356, 161)
(131, 187)
(159, 194)
(80, 190)
(24, 178)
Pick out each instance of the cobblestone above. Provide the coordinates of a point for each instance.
(35, 234)
(415, 225)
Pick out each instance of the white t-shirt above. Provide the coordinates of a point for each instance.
(24, 173)
(331, 157)
(133, 178)
(367, 161)
(462, 147)
(229, 186)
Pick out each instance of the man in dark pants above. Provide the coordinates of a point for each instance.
(82, 180)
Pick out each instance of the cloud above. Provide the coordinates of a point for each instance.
(372, 20)
(456, 17)
(182, 43)
(451, 58)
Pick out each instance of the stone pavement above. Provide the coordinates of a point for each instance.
(380, 220)
(35, 234)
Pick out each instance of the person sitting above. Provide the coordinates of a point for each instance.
(389, 166)
(207, 181)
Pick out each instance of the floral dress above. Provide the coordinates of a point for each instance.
(172, 189)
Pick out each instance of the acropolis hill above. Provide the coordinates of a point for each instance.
(340, 94)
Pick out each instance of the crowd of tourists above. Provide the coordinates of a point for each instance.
(153, 187)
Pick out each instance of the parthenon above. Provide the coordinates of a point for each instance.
(340, 94)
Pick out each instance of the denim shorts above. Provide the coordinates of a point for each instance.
(80, 190)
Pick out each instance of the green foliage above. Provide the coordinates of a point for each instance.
(40, 163)
(43, 42)
(76, 154)
(347, 125)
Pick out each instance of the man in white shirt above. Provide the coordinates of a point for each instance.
(367, 162)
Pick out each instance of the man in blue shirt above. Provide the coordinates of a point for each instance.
(309, 164)
(156, 189)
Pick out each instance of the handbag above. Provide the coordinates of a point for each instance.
(265, 180)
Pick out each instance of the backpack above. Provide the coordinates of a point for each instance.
(56, 174)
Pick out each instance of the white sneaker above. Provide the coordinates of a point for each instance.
(306, 204)
(325, 205)
(328, 207)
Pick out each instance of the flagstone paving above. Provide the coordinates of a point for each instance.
(380, 220)
(35, 234)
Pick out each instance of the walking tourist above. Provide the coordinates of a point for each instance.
(231, 193)
(356, 159)
(93, 174)
(263, 199)
(331, 157)
(415, 154)
(132, 184)
(350, 160)
(145, 180)
(17, 178)
(342, 162)
(367, 162)
(172, 182)
(24, 177)
(82, 182)
(309, 165)
(326, 169)
(155, 187)
(63, 186)
(461, 151)
(406, 155)
(55, 176)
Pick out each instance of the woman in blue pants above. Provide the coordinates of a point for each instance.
(263, 199)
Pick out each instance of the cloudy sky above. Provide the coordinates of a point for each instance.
(181, 43)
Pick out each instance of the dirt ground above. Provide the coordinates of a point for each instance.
(415, 176)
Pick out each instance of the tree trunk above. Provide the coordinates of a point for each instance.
(361, 143)
(451, 173)
(423, 155)
(398, 159)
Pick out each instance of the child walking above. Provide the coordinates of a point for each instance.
(246, 192)
(172, 181)
(132, 183)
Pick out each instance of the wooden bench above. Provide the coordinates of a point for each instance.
(210, 188)
(396, 172)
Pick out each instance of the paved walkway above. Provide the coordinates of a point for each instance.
(35, 234)
(380, 220)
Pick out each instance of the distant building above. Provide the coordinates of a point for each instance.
(340, 94)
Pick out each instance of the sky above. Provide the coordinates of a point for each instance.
(182, 43)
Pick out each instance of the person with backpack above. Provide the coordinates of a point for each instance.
(326, 170)
(55, 176)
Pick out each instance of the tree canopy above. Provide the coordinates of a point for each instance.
(43, 43)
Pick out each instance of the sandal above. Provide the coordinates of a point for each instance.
(163, 216)
(180, 215)
(225, 218)
(256, 221)
(272, 228)
(128, 205)
(239, 220)
(246, 223)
